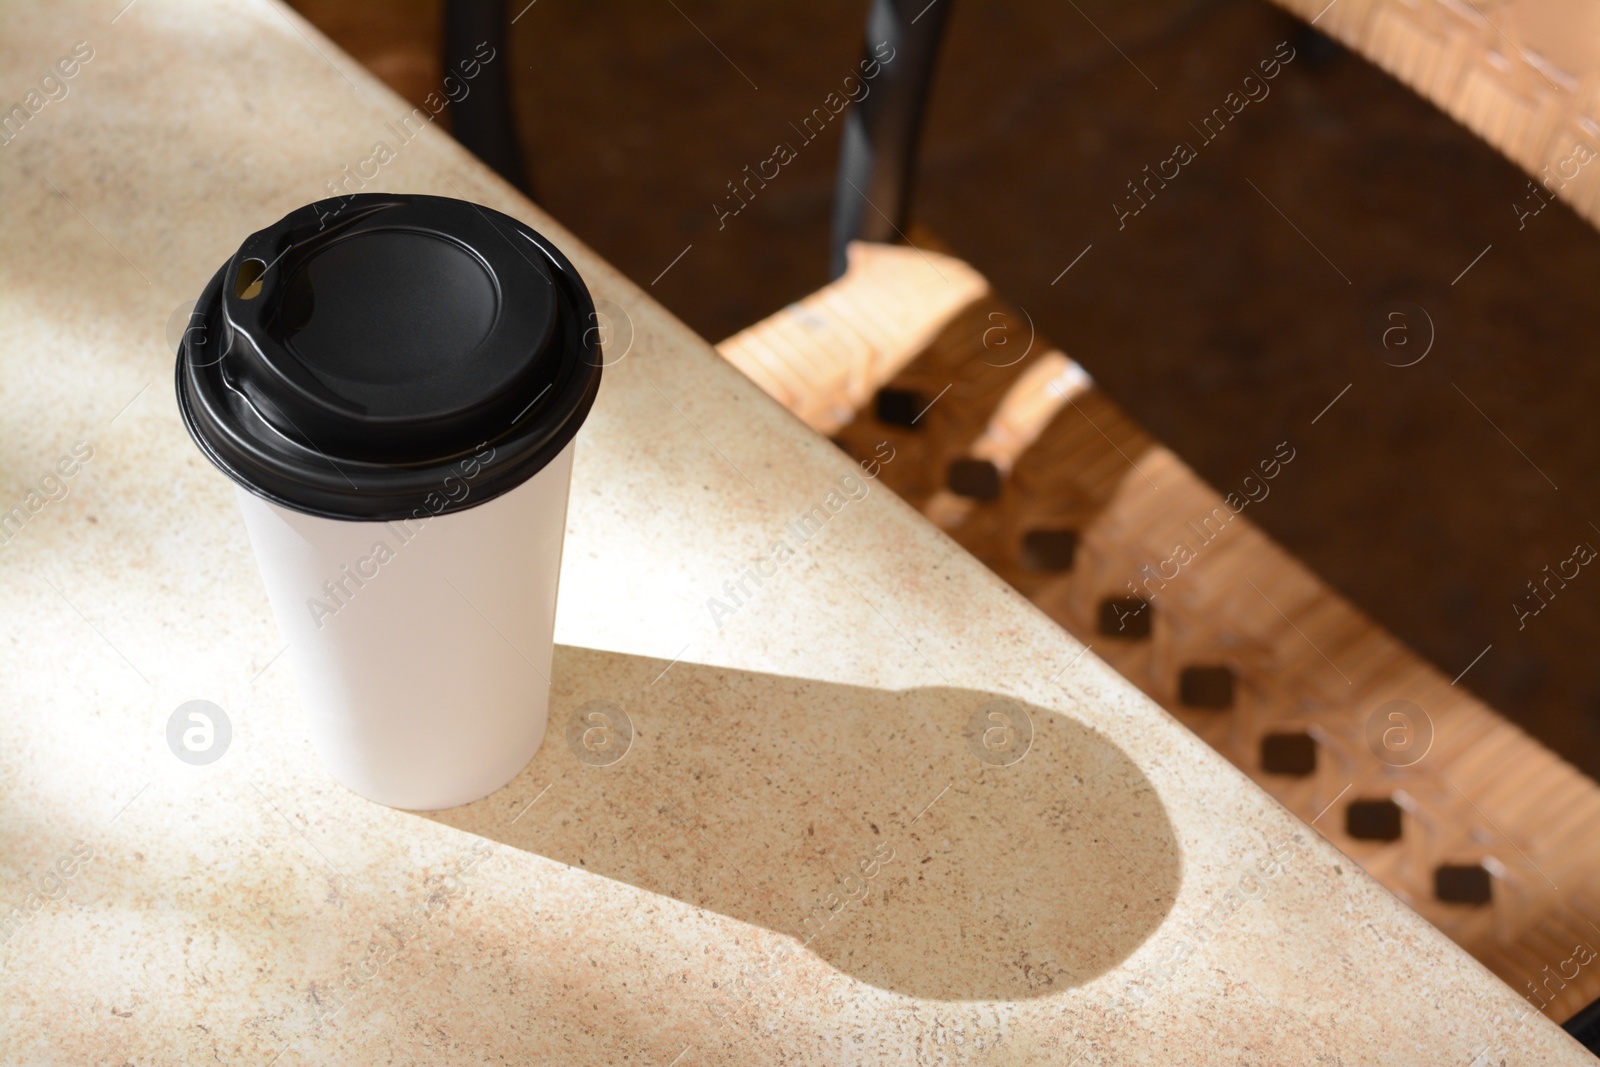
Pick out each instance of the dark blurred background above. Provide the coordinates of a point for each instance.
(1224, 316)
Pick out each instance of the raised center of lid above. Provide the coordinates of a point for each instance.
(395, 320)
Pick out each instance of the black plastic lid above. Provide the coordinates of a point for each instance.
(360, 357)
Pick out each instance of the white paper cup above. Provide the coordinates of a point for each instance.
(402, 452)
(421, 648)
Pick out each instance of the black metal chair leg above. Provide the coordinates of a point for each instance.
(1585, 1027)
(880, 133)
(480, 110)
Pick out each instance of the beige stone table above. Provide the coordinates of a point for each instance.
(806, 854)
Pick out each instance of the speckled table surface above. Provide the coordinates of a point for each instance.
(824, 843)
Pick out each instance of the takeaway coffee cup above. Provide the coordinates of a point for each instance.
(394, 388)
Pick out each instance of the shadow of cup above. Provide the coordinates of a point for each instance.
(941, 843)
